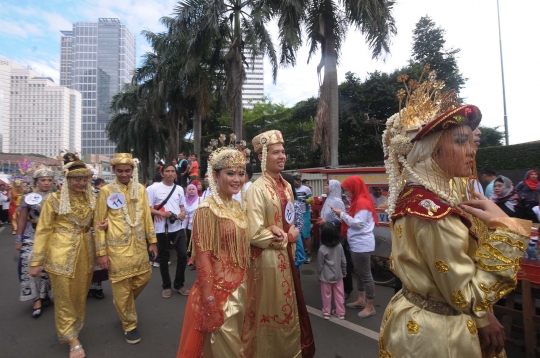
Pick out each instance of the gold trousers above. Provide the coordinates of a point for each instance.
(124, 294)
(70, 298)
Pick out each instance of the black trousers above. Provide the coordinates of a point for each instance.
(348, 280)
(3, 215)
(179, 239)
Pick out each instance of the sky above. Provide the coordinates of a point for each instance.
(30, 36)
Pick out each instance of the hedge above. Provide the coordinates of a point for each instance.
(517, 156)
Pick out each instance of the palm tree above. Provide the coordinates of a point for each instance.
(222, 31)
(326, 23)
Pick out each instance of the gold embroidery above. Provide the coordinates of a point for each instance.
(472, 327)
(412, 327)
(441, 266)
(429, 305)
(391, 224)
(429, 216)
(391, 262)
(496, 253)
(430, 206)
(383, 352)
(387, 316)
(125, 271)
(459, 299)
(75, 330)
(503, 238)
(406, 193)
(399, 231)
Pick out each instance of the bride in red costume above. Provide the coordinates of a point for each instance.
(214, 314)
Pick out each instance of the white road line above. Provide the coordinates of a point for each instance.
(353, 327)
(2, 228)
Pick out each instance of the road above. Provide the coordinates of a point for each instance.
(160, 320)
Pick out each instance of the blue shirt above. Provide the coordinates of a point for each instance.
(489, 190)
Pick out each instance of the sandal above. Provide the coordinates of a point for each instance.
(77, 348)
(36, 312)
(353, 305)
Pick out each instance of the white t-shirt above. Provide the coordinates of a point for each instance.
(4, 200)
(380, 200)
(159, 192)
(206, 193)
(190, 211)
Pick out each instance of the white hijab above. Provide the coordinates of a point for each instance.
(333, 199)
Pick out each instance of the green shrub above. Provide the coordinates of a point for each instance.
(517, 156)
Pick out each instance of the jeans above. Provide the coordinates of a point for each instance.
(179, 237)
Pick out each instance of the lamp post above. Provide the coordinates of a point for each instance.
(502, 76)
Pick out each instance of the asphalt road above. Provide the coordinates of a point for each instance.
(160, 320)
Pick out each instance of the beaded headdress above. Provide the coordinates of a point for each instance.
(224, 158)
(127, 158)
(43, 171)
(423, 110)
(74, 167)
(265, 140)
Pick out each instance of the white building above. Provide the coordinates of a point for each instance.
(97, 59)
(253, 90)
(37, 116)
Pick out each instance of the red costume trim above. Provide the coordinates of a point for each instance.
(467, 114)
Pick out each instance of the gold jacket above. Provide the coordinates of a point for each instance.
(58, 237)
(126, 246)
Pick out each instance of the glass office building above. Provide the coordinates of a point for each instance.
(97, 59)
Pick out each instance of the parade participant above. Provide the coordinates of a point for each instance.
(65, 247)
(15, 196)
(215, 309)
(304, 193)
(166, 201)
(451, 276)
(38, 288)
(357, 227)
(276, 322)
(100, 275)
(122, 248)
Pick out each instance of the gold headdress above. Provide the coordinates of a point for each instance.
(127, 158)
(427, 111)
(43, 171)
(265, 140)
(74, 167)
(224, 158)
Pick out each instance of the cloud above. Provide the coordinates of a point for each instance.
(19, 29)
(56, 22)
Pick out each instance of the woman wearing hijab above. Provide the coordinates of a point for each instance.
(357, 226)
(192, 203)
(199, 187)
(528, 191)
(505, 196)
(454, 260)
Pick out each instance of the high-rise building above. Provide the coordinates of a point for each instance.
(37, 116)
(97, 59)
(253, 90)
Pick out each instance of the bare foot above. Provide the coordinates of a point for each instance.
(37, 304)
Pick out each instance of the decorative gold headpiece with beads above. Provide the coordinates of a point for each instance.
(74, 167)
(224, 158)
(426, 111)
(127, 158)
(220, 143)
(265, 140)
(43, 171)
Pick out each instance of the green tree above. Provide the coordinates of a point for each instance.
(429, 48)
(491, 136)
(230, 27)
(326, 23)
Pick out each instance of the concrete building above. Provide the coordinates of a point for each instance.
(97, 59)
(37, 116)
(253, 90)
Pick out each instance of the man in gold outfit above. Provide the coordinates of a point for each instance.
(122, 248)
(276, 322)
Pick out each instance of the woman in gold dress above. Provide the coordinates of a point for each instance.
(453, 267)
(65, 247)
(215, 309)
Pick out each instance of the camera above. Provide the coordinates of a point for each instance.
(173, 218)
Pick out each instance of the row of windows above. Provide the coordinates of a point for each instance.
(104, 151)
(97, 143)
(94, 135)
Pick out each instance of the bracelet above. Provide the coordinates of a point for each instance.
(210, 300)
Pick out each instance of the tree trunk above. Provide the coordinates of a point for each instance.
(151, 159)
(197, 134)
(330, 79)
(238, 78)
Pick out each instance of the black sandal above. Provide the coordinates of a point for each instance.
(36, 312)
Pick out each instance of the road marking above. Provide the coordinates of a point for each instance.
(2, 228)
(344, 323)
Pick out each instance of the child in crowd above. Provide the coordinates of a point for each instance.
(331, 268)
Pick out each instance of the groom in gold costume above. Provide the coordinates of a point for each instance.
(276, 322)
(122, 248)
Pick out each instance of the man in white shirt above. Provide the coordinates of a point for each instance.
(4, 202)
(168, 225)
(208, 191)
(377, 197)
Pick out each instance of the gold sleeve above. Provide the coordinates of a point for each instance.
(100, 214)
(471, 286)
(146, 216)
(256, 213)
(43, 233)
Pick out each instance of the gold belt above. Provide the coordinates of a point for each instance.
(62, 230)
(429, 305)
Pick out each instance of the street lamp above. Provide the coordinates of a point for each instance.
(502, 76)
